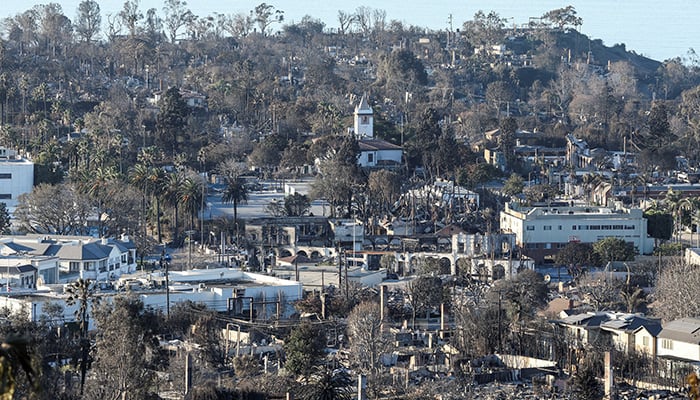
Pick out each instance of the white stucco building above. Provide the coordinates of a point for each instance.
(16, 177)
(542, 231)
(213, 287)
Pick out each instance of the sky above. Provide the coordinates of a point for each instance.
(654, 28)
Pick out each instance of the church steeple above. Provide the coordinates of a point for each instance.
(364, 119)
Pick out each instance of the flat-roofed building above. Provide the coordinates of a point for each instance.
(542, 231)
(16, 177)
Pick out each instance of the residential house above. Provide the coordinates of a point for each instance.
(680, 340)
(583, 329)
(18, 277)
(633, 333)
(14, 254)
(77, 256)
(678, 348)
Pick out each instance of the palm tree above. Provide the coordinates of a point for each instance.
(234, 193)
(327, 384)
(99, 185)
(148, 180)
(171, 190)
(190, 196)
(81, 292)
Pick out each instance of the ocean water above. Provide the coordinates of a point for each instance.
(659, 29)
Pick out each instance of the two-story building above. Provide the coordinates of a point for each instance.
(541, 231)
(77, 256)
(633, 333)
(678, 347)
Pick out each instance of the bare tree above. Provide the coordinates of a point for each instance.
(676, 295)
(87, 24)
(602, 292)
(367, 340)
(345, 21)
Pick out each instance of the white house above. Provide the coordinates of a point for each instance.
(46, 266)
(16, 177)
(379, 153)
(77, 256)
(680, 340)
(541, 231)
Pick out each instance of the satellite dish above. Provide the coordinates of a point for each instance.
(547, 278)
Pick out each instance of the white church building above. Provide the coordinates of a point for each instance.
(374, 153)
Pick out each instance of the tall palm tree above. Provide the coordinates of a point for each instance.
(98, 184)
(149, 180)
(171, 191)
(234, 193)
(190, 196)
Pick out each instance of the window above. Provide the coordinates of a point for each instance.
(530, 227)
(667, 344)
(559, 227)
(74, 266)
(5, 196)
(364, 119)
(645, 341)
(548, 227)
(573, 227)
(5, 175)
(370, 157)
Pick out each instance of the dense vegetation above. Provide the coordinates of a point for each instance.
(123, 114)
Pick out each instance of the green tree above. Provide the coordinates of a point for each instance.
(304, 349)
(585, 384)
(327, 384)
(264, 15)
(172, 121)
(425, 294)
(234, 193)
(614, 249)
(485, 29)
(190, 196)
(339, 175)
(401, 67)
(659, 224)
(563, 17)
(514, 185)
(577, 254)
